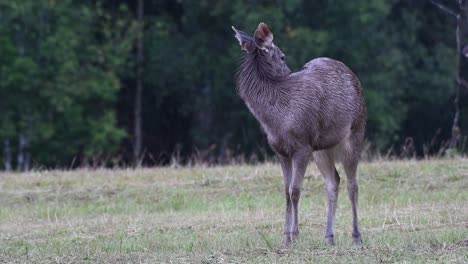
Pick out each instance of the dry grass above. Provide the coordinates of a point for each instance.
(411, 211)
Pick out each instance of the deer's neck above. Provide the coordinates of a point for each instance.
(266, 97)
(257, 85)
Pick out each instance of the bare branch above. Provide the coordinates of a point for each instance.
(444, 8)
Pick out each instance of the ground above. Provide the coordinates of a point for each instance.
(410, 211)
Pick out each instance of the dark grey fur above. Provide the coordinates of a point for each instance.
(318, 111)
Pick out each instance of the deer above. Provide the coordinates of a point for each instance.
(318, 112)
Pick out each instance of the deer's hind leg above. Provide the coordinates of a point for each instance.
(326, 164)
(350, 167)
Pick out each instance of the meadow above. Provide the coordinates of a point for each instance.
(410, 212)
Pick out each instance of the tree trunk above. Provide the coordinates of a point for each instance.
(139, 88)
(7, 154)
(456, 101)
(20, 158)
(24, 157)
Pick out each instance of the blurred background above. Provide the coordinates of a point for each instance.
(117, 83)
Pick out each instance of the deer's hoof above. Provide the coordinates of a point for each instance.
(330, 240)
(287, 243)
(289, 240)
(357, 240)
(295, 237)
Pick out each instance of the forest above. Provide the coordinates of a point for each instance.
(118, 83)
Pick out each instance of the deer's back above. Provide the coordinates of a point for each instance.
(330, 88)
(327, 103)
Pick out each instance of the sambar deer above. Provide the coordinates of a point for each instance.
(317, 112)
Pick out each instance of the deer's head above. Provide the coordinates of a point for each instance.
(261, 49)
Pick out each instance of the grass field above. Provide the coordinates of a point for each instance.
(410, 211)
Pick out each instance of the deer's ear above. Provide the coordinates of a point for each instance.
(245, 41)
(263, 37)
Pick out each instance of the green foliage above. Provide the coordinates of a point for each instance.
(61, 77)
(402, 52)
(67, 73)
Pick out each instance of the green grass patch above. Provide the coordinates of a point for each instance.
(410, 211)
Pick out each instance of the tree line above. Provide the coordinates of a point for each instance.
(122, 82)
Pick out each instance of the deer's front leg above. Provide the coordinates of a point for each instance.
(299, 161)
(286, 166)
